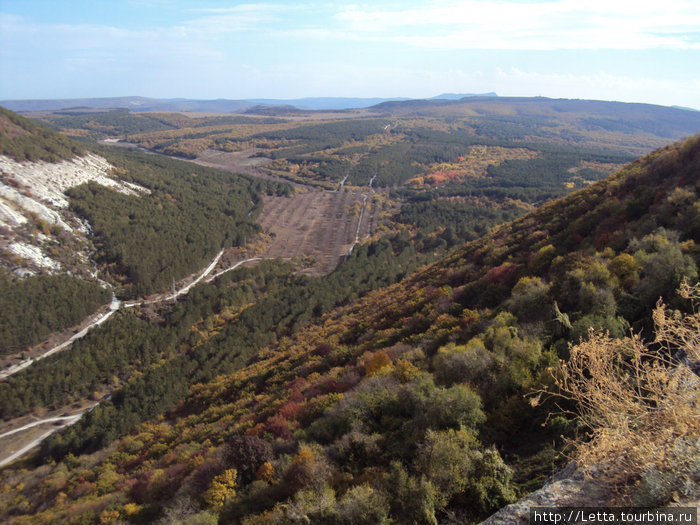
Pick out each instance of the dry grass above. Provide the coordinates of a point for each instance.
(642, 405)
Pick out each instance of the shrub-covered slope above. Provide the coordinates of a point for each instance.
(22, 139)
(414, 404)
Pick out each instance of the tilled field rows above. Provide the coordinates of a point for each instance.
(319, 224)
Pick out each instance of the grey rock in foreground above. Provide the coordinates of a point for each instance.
(569, 487)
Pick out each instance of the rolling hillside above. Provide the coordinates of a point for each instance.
(48, 280)
(410, 405)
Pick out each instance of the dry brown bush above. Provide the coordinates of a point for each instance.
(642, 405)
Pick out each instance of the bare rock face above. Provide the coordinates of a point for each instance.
(570, 487)
(48, 181)
(37, 230)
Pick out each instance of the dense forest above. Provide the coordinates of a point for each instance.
(375, 394)
(397, 154)
(474, 166)
(457, 221)
(190, 214)
(585, 119)
(415, 403)
(37, 306)
(195, 343)
(392, 148)
(121, 122)
(144, 243)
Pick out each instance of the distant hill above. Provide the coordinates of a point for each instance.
(202, 106)
(319, 103)
(595, 115)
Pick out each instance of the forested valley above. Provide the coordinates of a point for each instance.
(190, 214)
(404, 387)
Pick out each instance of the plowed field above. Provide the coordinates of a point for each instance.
(320, 224)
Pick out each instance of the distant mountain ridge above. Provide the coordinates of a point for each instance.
(136, 103)
(594, 116)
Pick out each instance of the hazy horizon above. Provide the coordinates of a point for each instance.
(617, 51)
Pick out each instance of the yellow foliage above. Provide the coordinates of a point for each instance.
(131, 508)
(222, 487)
(107, 480)
(195, 461)
(378, 361)
(109, 516)
(304, 457)
(61, 497)
(266, 472)
(404, 370)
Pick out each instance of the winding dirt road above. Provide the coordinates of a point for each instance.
(11, 441)
(115, 306)
(63, 421)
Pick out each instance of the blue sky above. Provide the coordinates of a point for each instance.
(627, 50)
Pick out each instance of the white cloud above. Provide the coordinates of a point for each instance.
(242, 17)
(509, 24)
(286, 50)
(80, 42)
(362, 80)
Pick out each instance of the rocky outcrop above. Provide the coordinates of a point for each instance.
(570, 487)
(47, 182)
(33, 203)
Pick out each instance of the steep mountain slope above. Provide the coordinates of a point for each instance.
(408, 405)
(40, 234)
(21, 140)
(46, 190)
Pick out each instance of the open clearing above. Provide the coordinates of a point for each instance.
(319, 224)
(323, 225)
(234, 161)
